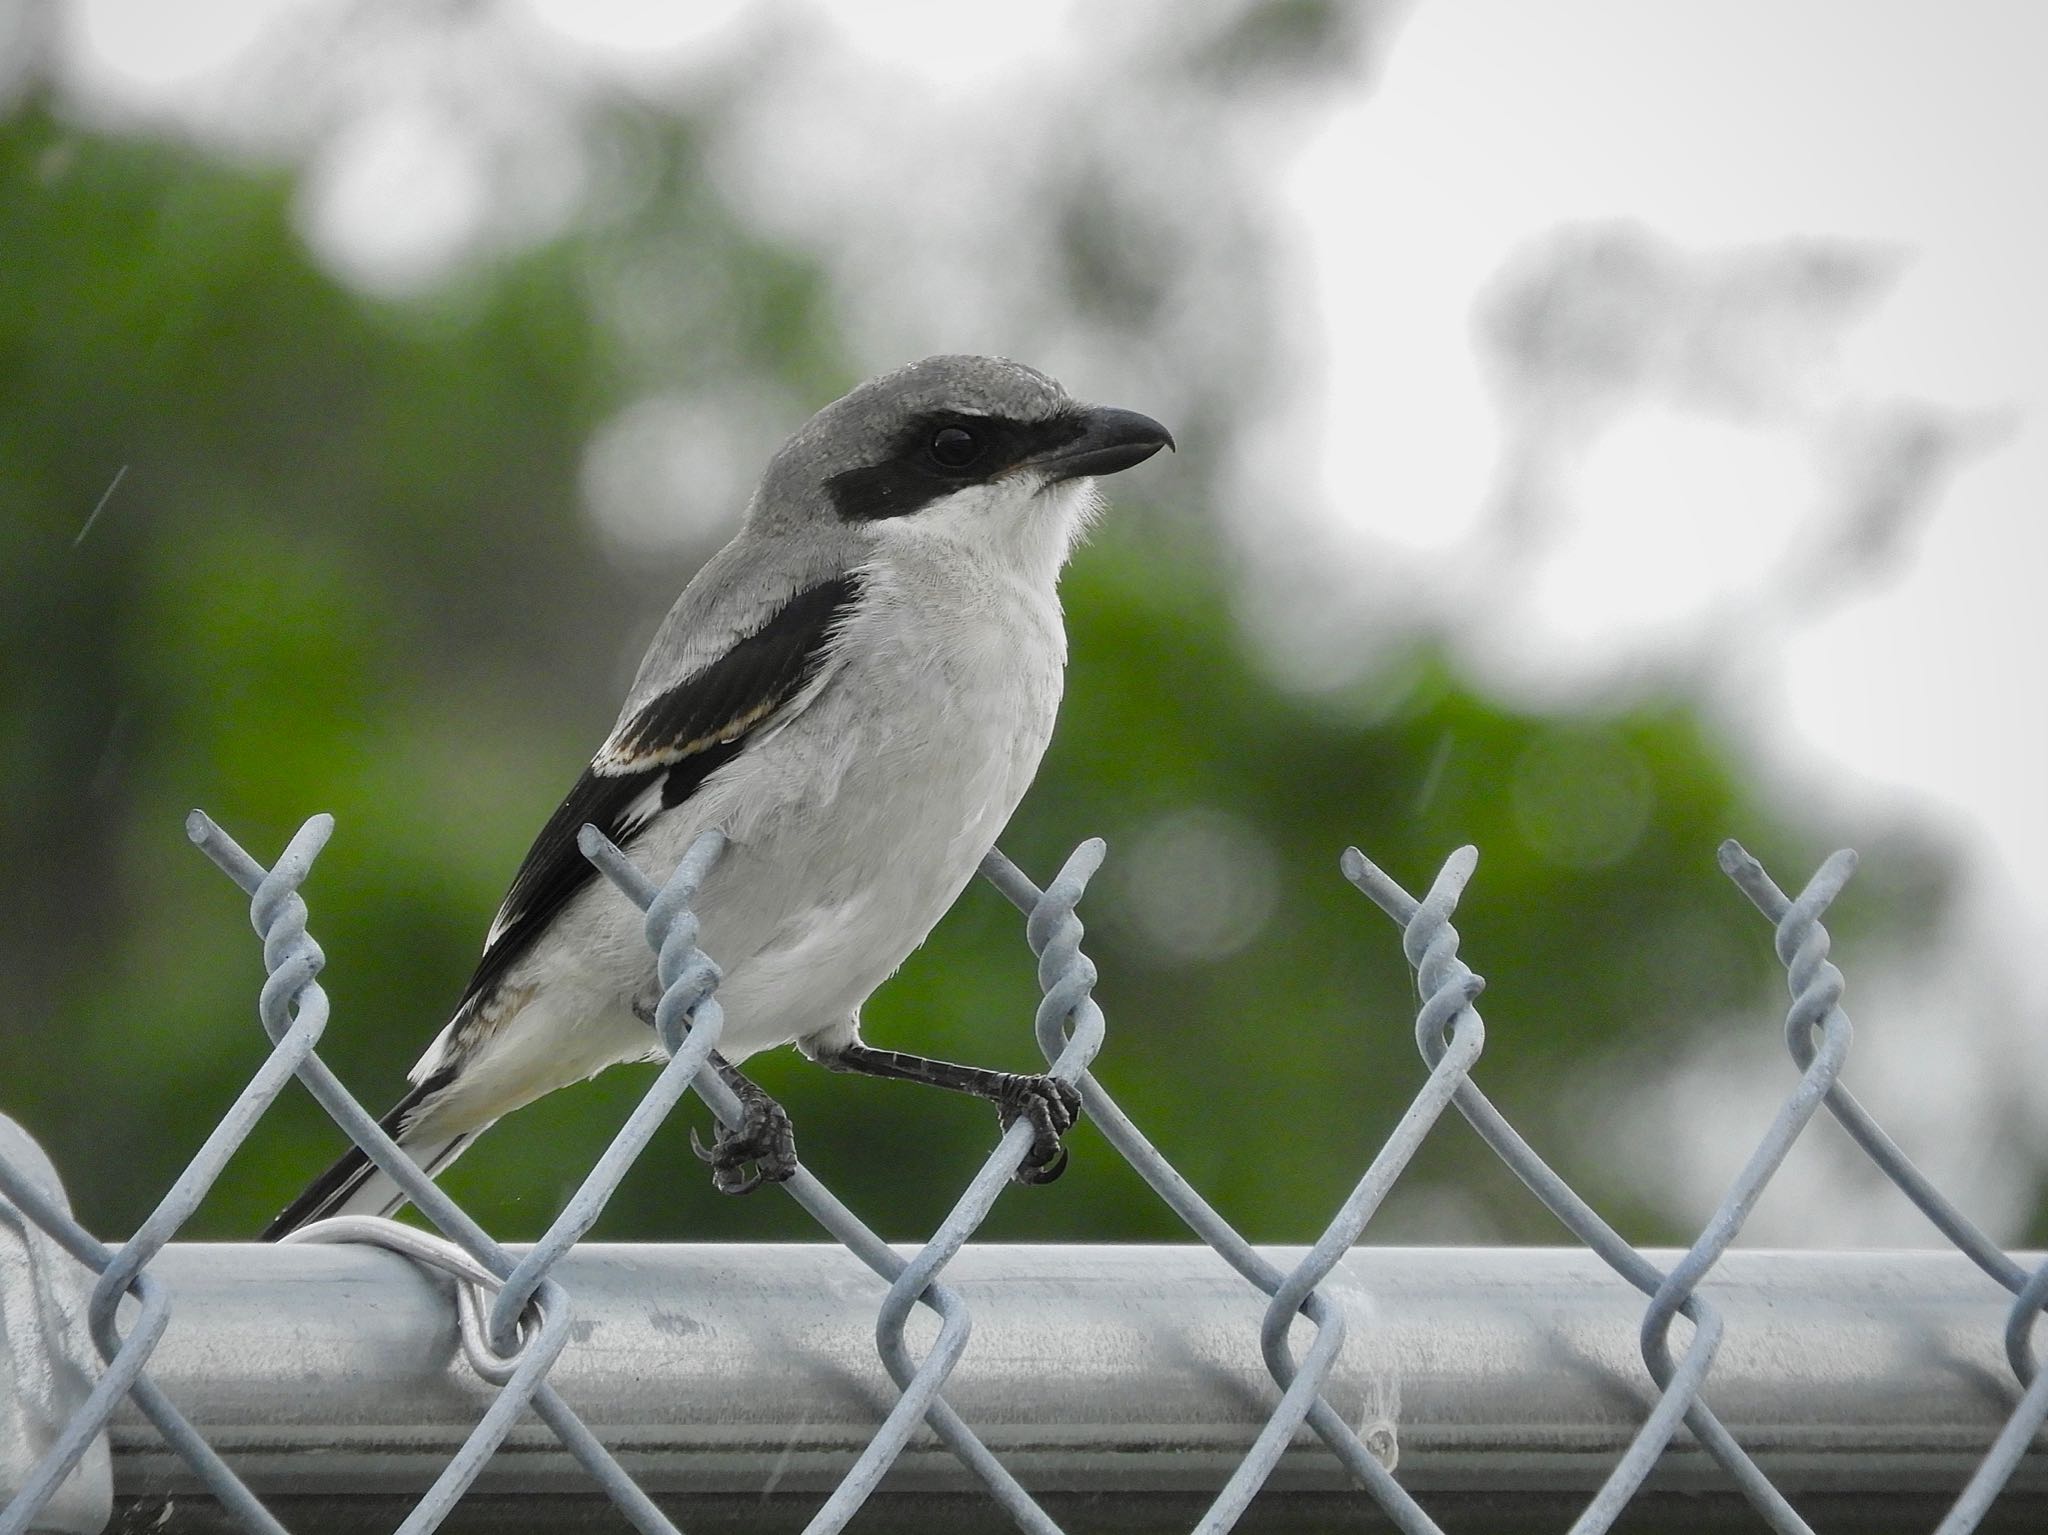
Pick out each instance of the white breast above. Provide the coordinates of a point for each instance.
(857, 825)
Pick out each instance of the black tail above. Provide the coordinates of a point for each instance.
(326, 1193)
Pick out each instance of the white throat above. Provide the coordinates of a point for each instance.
(1025, 529)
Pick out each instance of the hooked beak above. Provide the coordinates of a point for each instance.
(1108, 440)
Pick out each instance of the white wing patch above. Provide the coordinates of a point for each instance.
(619, 757)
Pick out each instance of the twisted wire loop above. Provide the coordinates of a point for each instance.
(1817, 989)
(671, 931)
(475, 1287)
(1068, 1000)
(1447, 1011)
(520, 1355)
(1066, 976)
(293, 1010)
(1430, 942)
(1802, 945)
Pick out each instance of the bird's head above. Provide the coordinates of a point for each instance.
(981, 448)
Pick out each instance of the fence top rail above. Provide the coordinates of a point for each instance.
(715, 1359)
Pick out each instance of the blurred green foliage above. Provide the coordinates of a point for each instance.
(344, 569)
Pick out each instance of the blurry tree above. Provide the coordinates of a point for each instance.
(342, 567)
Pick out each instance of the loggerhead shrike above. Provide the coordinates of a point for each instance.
(856, 691)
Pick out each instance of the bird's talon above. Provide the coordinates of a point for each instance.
(731, 1181)
(1053, 1107)
(764, 1139)
(1037, 1174)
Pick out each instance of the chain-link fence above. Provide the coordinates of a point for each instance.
(514, 1312)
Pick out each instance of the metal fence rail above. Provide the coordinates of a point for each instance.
(747, 1374)
(512, 1310)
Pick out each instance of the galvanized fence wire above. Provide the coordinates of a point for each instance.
(514, 1317)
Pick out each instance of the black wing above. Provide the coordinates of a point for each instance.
(658, 758)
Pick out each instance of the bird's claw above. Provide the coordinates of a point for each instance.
(764, 1138)
(1052, 1107)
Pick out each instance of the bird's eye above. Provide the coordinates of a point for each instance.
(954, 447)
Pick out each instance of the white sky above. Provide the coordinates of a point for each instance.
(1902, 123)
(1926, 692)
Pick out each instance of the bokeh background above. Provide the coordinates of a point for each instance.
(1605, 429)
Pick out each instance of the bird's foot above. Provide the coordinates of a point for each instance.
(763, 1138)
(1052, 1107)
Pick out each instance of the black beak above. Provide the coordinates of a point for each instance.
(1105, 441)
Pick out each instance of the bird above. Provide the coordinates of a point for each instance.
(856, 691)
